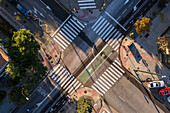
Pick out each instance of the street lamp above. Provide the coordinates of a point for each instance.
(24, 95)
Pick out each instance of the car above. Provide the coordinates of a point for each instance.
(156, 84)
(165, 91)
(168, 98)
(14, 2)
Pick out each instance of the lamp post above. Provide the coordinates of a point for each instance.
(24, 95)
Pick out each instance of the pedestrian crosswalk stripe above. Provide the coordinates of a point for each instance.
(118, 41)
(118, 67)
(104, 28)
(61, 41)
(111, 74)
(97, 90)
(74, 26)
(108, 79)
(110, 35)
(116, 73)
(68, 76)
(105, 81)
(59, 74)
(108, 32)
(96, 22)
(57, 71)
(72, 86)
(63, 38)
(54, 70)
(75, 88)
(80, 1)
(68, 81)
(79, 22)
(67, 33)
(64, 79)
(72, 29)
(101, 26)
(86, 4)
(117, 62)
(113, 38)
(103, 84)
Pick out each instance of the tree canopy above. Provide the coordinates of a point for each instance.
(143, 25)
(25, 67)
(84, 105)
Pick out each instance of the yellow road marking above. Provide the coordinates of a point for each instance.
(62, 7)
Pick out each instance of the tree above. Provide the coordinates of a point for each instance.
(15, 95)
(23, 51)
(143, 25)
(84, 105)
(2, 96)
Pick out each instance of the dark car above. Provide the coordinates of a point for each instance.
(14, 2)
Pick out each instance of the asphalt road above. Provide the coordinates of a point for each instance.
(58, 10)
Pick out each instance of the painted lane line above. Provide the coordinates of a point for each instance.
(104, 28)
(124, 11)
(118, 67)
(105, 81)
(101, 26)
(67, 33)
(122, 98)
(130, 4)
(108, 80)
(108, 32)
(71, 29)
(96, 22)
(118, 18)
(44, 10)
(61, 40)
(65, 36)
(101, 86)
(50, 16)
(110, 35)
(74, 26)
(97, 90)
(115, 21)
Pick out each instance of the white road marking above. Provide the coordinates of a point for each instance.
(80, 1)
(96, 22)
(74, 26)
(97, 90)
(59, 43)
(124, 11)
(105, 81)
(72, 29)
(110, 76)
(87, 4)
(88, 7)
(104, 28)
(67, 33)
(65, 36)
(61, 40)
(116, 71)
(101, 86)
(70, 32)
(108, 32)
(118, 67)
(108, 79)
(110, 35)
(101, 26)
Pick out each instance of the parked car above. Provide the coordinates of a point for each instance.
(168, 98)
(165, 91)
(156, 84)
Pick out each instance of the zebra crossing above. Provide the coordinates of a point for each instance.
(64, 79)
(108, 78)
(87, 4)
(68, 32)
(108, 32)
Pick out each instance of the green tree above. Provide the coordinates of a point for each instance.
(15, 95)
(84, 105)
(2, 96)
(143, 25)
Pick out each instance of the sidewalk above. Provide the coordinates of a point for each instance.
(142, 53)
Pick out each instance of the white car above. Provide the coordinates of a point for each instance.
(168, 98)
(156, 84)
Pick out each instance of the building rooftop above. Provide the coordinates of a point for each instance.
(4, 59)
